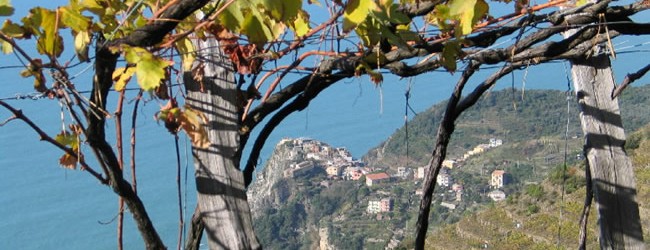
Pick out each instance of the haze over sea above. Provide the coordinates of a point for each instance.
(43, 206)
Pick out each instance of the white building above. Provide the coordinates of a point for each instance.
(443, 180)
(497, 195)
(374, 207)
(420, 173)
(498, 179)
(494, 142)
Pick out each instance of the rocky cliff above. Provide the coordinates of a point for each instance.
(270, 189)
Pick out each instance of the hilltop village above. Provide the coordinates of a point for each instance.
(313, 157)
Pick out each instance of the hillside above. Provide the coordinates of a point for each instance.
(313, 195)
(530, 218)
(510, 115)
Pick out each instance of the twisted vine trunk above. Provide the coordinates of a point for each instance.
(222, 200)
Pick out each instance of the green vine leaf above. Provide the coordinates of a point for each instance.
(6, 9)
(356, 12)
(13, 30)
(43, 23)
(450, 53)
(149, 69)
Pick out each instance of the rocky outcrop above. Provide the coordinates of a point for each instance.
(270, 189)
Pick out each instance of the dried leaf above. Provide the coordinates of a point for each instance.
(192, 122)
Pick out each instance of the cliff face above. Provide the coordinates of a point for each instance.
(270, 189)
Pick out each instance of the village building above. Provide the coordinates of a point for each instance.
(497, 195)
(450, 164)
(374, 179)
(299, 169)
(403, 172)
(420, 173)
(374, 207)
(334, 170)
(380, 206)
(448, 205)
(353, 173)
(494, 142)
(443, 180)
(499, 179)
(386, 205)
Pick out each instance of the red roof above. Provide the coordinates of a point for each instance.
(377, 176)
(498, 172)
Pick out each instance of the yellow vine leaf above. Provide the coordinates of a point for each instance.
(186, 50)
(81, 41)
(149, 69)
(5, 8)
(71, 140)
(282, 10)
(467, 12)
(74, 20)
(356, 12)
(122, 76)
(300, 26)
(43, 22)
(6, 47)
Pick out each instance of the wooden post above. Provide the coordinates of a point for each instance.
(222, 199)
(613, 181)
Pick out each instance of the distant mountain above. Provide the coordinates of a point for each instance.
(298, 204)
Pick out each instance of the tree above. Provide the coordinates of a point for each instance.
(213, 41)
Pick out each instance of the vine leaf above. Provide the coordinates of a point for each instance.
(43, 23)
(186, 51)
(192, 122)
(300, 26)
(149, 69)
(356, 12)
(81, 41)
(188, 119)
(467, 12)
(5, 8)
(69, 139)
(122, 76)
(80, 26)
(450, 52)
(36, 70)
(282, 10)
(13, 30)
(255, 30)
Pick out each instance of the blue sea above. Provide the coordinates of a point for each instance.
(43, 206)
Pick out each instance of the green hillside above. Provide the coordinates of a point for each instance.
(538, 218)
(316, 210)
(509, 115)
